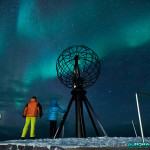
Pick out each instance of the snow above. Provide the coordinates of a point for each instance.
(79, 142)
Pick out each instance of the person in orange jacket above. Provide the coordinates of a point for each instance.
(31, 111)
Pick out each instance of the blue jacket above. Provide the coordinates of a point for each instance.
(53, 111)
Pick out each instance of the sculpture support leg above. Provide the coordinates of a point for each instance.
(98, 121)
(63, 120)
(97, 133)
(82, 121)
(78, 116)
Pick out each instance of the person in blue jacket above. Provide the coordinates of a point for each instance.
(53, 115)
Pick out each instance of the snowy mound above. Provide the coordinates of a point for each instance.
(78, 142)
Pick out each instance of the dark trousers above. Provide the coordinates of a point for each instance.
(53, 128)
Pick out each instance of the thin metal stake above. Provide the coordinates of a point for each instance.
(134, 128)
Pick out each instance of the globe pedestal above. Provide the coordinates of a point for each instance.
(78, 67)
(78, 95)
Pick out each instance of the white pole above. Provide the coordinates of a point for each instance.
(139, 117)
(55, 133)
(134, 128)
(0, 116)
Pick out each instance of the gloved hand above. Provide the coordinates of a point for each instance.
(24, 116)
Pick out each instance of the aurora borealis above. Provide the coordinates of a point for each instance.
(33, 33)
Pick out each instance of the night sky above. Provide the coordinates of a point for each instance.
(33, 33)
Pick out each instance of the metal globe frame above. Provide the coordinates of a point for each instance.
(88, 66)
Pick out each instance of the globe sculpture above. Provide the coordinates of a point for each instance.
(78, 62)
(78, 67)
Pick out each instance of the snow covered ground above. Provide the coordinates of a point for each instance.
(79, 142)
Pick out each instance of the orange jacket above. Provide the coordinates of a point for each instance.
(32, 109)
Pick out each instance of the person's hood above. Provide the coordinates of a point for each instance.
(33, 100)
(54, 103)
